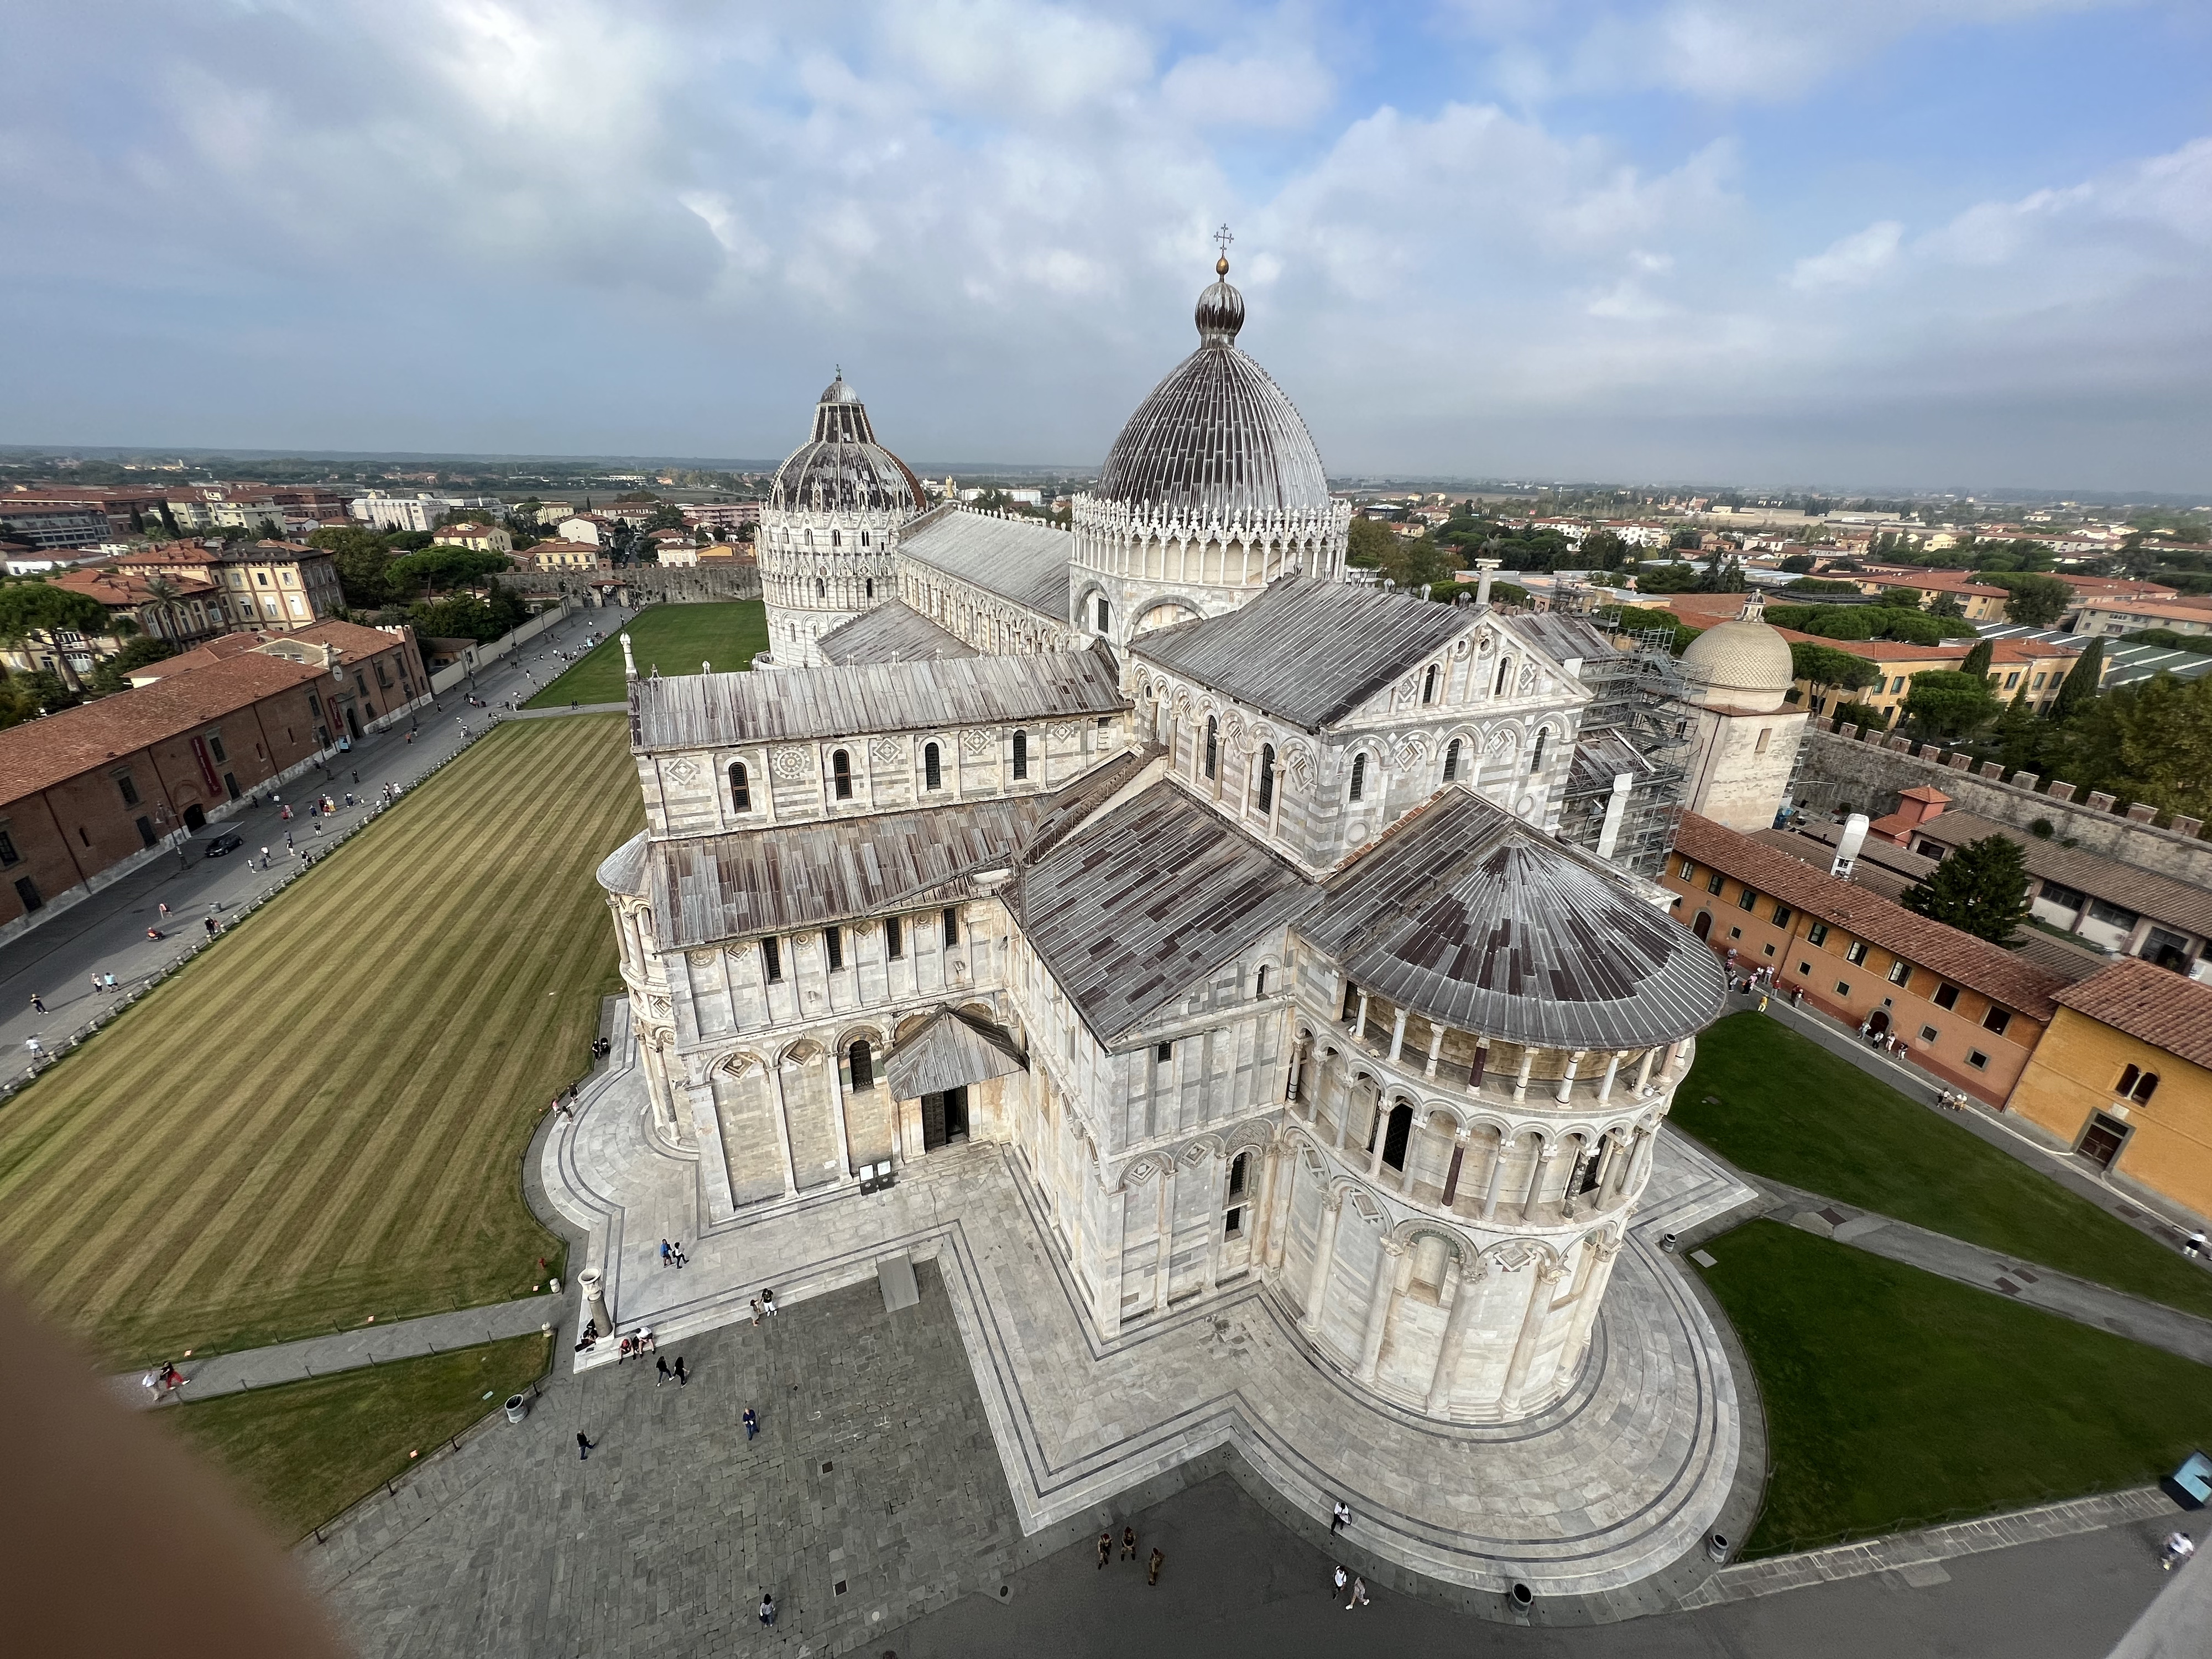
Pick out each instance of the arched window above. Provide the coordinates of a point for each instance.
(741, 794)
(1105, 613)
(864, 542)
(2136, 1083)
(1259, 981)
(1536, 754)
(1236, 1174)
(840, 774)
(1266, 777)
(1505, 677)
(1429, 684)
(836, 539)
(1213, 745)
(932, 773)
(1358, 777)
(1451, 760)
(1400, 1132)
(863, 1064)
(1021, 756)
(819, 589)
(871, 580)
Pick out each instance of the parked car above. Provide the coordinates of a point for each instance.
(222, 844)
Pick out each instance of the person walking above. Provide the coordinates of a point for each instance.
(2193, 1247)
(1343, 1580)
(751, 1422)
(1129, 1543)
(584, 1444)
(1358, 1595)
(1340, 1516)
(1105, 1549)
(95, 985)
(2177, 1549)
(767, 1301)
(767, 1609)
(661, 1365)
(666, 1253)
(756, 1312)
(682, 1376)
(1152, 1566)
(37, 1003)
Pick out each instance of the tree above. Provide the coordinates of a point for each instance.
(1666, 579)
(362, 558)
(666, 516)
(1816, 584)
(1980, 888)
(2150, 742)
(1799, 563)
(1723, 575)
(443, 567)
(1948, 703)
(37, 612)
(1947, 605)
(2080, 689)
(2035, 601)
(1827, 667)
(1604, 550)
(1978, 660)
(1369, 544)
(114, 673)
(1687, 539)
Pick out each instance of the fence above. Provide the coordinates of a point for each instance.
(479, 656)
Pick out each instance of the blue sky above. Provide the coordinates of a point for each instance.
(1883, 243)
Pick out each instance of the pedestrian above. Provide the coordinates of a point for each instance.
(767, 1609)
(1129, 1543)
(1340, 1516)
(1762, 1002)
(1105, 1549)
(756, 1312)
(767, 1301)
(681, 1259)
(661, 1365)
(165, 912)
(108, 980)
(1343, 1580)
(1153, 1566)
(584, 1444)
(95, 985)
(682, 1376)
(288, 840)
(356, 776)
(207, 922)
(2178, 1548)
(752, 1423)
(666, 1253)
(1358, 1595)
(2194, 1246)
(37, 1003)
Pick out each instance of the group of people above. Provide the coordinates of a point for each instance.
(764, 1305)
(602, 1047)
(163, 1381)
(1884, 1042)
(672, 1255)
(1352, 1586)
(1152, 1564)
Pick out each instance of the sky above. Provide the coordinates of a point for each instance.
(1839, 244)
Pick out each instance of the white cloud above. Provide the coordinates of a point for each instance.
(1254, 91)
(1852, 261)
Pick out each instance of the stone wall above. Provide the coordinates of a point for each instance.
(1842, 770)
(643, 584)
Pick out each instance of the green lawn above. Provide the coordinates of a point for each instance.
(301, 1453)
(1787, 1108)
(323, 1117)
(1895, 1399)
(677, 638)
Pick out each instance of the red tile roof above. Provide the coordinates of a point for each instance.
(127, 587)
(2152, 1004)
(1958, 957)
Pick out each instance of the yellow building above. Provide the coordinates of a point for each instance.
(2123, 1078)
(565, 556)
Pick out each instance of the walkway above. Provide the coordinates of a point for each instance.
(346, 1351)
(106, 932)
(1566, 1501)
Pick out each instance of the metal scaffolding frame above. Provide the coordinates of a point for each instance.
(1642, 713)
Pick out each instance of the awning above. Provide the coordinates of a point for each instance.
(953, 1050)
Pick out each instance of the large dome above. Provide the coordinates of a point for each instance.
(1744, 661)
(1218, 436)
(841, 468)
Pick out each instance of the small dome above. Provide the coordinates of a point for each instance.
(1218, 436)
(1745, 661)
(844, 463)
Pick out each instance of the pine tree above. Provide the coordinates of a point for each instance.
(1980, 888)
(2080, 689)
(1978, 660)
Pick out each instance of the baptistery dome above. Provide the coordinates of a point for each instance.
(1744, 661)
(840, 467)
(1218, 437)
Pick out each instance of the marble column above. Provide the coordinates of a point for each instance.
(1332, 1207)
(1165, 1270)
(1612, 1072)
(1280, 1197)
(783, 1133)
(714, 1158)
(1113, 1235)
(1467, 1277)
(1497, 1188)
(1567, 1079)
(1644, 1069)
(1382, 1140)
(1542, 1278)
(1436, 1048)
(1521, 1079)
(1616, 1169)
(1392, 1264)
(1397, 1036)
(1414, 1135)
(1344, 1097)
(1540, 1169)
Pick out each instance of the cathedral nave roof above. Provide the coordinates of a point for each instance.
(1022, 560)
(891, 633)
(708, 711)
(1305, 651)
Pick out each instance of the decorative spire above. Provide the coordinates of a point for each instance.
(1221, 308)
(1222, 238)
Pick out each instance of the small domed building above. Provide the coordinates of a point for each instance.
(1746, 736)
(1218, 889)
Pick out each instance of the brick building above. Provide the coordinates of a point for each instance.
(1970, 1012)
(91, 791)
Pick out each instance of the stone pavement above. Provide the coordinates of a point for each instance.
(106, 932)
(2077, 1299)
(346, 1351)
(1619, 1482)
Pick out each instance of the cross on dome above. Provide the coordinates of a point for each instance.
(1222, 238)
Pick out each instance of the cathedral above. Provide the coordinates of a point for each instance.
(1280, 924)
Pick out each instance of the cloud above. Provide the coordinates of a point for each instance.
(1852, 261)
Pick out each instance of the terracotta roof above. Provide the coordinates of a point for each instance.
(121, 587)
(1958, 957)
(41, 753)
(2160, 897)
(222, 648)
(2150, 1003)
(350, 640)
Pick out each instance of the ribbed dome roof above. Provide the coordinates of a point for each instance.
(1218, 436)
(844, 463)
(1746, 658)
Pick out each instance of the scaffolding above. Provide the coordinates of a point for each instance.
(1639, 722)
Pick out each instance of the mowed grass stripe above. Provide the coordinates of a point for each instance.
(321, 1118)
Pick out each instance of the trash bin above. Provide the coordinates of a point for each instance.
(553, 1287)
(517, 1408)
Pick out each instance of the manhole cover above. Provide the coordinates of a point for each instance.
(826, 1467)
(2008, 1287)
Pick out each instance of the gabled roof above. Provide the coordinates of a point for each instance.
(1129, 911)
(2150, 1004)
(1955, 956)
(952, 1051)
(1475, 919)
(2144, 891)
(1308, 651)
(1023, 560)
(700, 711)
(891, 633)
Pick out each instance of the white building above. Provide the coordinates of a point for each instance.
(417, 513)
(1216, 885)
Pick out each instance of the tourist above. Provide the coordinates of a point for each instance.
(2193, 1246)
(666, 1253)
(1152, 1566)
(95, 985)
(1343, 1580)
(584, 1444)
(2178, 1548)
(647, 1342)
(767, 1301)
(681, 1259)
(661, 1365)
(682, 1376)
(1105, 1549)
(1129, 1543)
(752, 1423)
(767, 1609)
(1358, 1595)
(37, 1003)
(1340, 1516)
(108, 980)
(207, 922)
